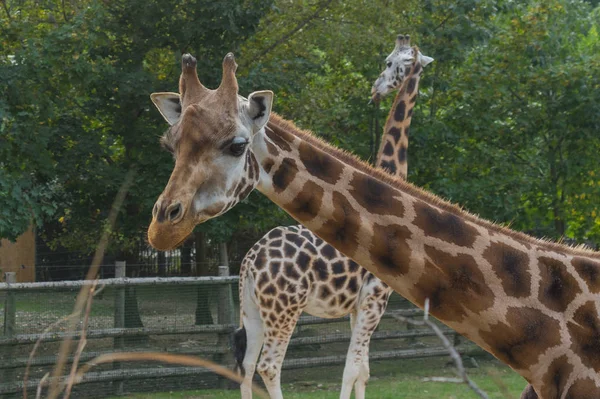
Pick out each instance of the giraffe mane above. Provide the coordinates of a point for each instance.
(430, 198)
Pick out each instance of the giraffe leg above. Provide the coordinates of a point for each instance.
(356, 371)
(254, 328)
(529, 393)
(277, 339)
(350, 370)
(363, 375)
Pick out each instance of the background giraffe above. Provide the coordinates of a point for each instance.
(274, 290)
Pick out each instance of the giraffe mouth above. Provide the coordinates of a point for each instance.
(375, 98)
(166, 237)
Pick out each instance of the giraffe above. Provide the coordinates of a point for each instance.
(319, 288)
(531, 303)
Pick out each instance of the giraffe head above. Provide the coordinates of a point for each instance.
(209, 136)
(397, 66)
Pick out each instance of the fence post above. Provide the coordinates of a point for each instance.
(118, 342)
(10, 311)
(225, 315)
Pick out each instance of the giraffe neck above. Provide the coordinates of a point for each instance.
(484, 281)
(392, 154)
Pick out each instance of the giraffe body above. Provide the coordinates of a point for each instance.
(302, 273)
(531, 303)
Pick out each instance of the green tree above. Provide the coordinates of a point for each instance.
(517, 129)
(75, 108)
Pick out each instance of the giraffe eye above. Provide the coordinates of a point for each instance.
(389, 64)
(237, 146)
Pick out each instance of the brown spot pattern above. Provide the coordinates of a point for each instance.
(376, 197)
(319, 164)
(268, 164)
(395, 133)
(511, 266)
(585, 335)
(557, 287)
(343, 225)
(584, 388)
(589, 271)
(412, 83)
(400, 111)
(556, 377)
(527, 334)
(389, 249)
(453, 284)
(529, 393)
(444, 225)
(278, 140)
(284, 175)
(307, 203)
(402, 154)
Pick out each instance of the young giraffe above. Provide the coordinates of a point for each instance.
(327, 284)
(531, 303)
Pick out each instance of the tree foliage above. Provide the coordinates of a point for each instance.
(506, 123)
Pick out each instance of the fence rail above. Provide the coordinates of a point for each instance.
(216, 345)
(120, 282)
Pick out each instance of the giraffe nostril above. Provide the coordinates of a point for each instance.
(155, 210)
(174, 212)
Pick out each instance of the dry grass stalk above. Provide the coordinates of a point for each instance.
(82, 340)
(38, 393)
(464, 378)
(80, 302)
(39, 341)
(182, 360)
(35, 348)
(84, 299)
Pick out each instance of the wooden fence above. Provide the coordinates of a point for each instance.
(15, 345)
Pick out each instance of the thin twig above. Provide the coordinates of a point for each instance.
(292, 32)
(82, 341)
(36, 346)
(98, 291)
(165, 358)
(65, 346)
(449, 347)
(443, 379)
(5, 5)
(64, 11)
(38, 393)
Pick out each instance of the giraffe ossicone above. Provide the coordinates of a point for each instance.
(531, 303)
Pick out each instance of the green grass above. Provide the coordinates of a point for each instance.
(389, 380)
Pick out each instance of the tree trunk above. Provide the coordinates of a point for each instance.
(132, 310)
(223, 255)
(162, 264)
(186, 259)
(203, 315)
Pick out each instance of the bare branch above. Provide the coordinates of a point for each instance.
(82, 340)
(36, 346)
(6, 9)
(449, 347)
(38, 393)
(80, 302)
(443, 22)
(165, 358)
(64, 11)
(292, 32)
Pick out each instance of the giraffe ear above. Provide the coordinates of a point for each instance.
(259, 108)
(425, 60)
(169, 106)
